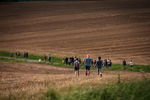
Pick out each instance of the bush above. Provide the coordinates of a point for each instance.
(50, 95)
(122, 91)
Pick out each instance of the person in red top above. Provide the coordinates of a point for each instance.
(44, 58)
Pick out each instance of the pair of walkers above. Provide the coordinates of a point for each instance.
(124, 63)
(87, 65)
(49, 58)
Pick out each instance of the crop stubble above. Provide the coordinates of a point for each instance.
(23, 80)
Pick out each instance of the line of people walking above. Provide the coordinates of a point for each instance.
(70, 60)
(88, 62)
(17, 54)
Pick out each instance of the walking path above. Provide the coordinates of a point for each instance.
(29, 60)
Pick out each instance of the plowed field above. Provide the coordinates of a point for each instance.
(112, 29)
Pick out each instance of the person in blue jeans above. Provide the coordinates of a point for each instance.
(49, 58)
(66, 60)
(87, 64)
(99, 64)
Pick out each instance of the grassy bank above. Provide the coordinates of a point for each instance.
(122, 91)
(31, 56)
(58, 62)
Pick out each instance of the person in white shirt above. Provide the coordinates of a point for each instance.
(131, 64)
(109, 63)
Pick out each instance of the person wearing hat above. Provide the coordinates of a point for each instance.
(99, 64)
(87, 64)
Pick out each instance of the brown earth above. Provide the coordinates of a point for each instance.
(23, 80)
(112, 29)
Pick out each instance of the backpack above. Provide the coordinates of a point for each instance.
(76, 65)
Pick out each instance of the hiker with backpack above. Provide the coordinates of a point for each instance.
(87, 64)
(99, 65)
(76, 66)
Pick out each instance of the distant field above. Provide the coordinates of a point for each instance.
(112, 29)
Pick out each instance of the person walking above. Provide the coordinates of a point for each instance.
(79, 61)
(105, 63)
(131, 64)
(44, 58)
(99, 65)
(27, 55)
(76, 66)
(66, 60)
(87, 62)
(24, 54)
(15, 54)
(124, 63)
(72, 61)
(49, 58)
(109, 63)
(63, 60)
(18, 54)
(69, 61)
(11, 54)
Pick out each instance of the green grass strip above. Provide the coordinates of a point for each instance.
(58, 62)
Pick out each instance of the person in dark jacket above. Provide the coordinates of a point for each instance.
(99, 65)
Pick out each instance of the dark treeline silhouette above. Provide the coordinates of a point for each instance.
(42, 0)
(33, 0)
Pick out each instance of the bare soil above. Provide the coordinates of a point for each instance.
(30, 80)
(112, 29)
